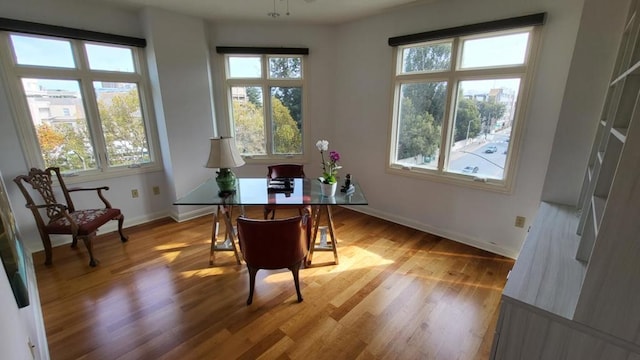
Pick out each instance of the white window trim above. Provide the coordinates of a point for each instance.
(453, 76)
(265, 83)
(11, 73)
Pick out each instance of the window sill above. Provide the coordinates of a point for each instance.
(97, 175)
(498, 186)
(271, 159)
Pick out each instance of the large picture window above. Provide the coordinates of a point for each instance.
(458, 106)
(83, 106)
(266, 104)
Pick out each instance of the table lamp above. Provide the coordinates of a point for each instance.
(224, 156)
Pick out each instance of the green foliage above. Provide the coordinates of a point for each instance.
(421, 115)
(254, 95)
(427, 58)
(467, 120)
(287, 137)
(68, 145)
(250, 131)
(489, 112)
(422, 104)
(77, 150)
(50, 140)
(123, 128)
(249, 127)
(286, 112)
(291, 97)
(427, 97)
(419, 133)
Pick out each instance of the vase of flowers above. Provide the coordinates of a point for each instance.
(328, 181)
(328, 190)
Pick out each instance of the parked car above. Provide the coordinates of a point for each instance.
(470, 169)
(491, 149)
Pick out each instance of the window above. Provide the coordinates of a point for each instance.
(82, 105)
(458, 104)
(266, 100)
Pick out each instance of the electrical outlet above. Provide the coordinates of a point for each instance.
(134, 193)
(156, 190)
(520, 220)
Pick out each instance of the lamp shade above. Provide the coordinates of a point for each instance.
(224, 153)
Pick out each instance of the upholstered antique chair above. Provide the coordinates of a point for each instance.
(285, 171)
(63, 217)
(274, 244)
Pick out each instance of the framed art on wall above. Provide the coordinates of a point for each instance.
(11, 250)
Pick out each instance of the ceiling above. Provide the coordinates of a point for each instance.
(300, 11)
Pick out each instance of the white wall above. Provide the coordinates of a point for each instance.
(350, 96)
(349, 86)
(182, 95)
(362, 100)
(596, 48)
(319, 74)
(14, 339)
(90, 17)
(352, 111)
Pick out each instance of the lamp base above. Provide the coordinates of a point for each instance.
(226, 181)
(226, 193)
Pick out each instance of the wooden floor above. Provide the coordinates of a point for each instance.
(397, 294)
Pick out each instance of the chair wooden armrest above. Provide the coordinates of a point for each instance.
(106, 202)
(63, 218)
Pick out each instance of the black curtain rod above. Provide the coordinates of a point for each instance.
(261, 50)
(70, 33)
(496, 25)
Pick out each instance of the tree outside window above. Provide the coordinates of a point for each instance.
(456, 104)
(78, 130)
(267, 110)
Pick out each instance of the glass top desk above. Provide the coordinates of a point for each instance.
(255, 191)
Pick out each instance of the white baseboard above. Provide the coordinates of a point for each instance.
(184, 216)
(188, 215)
(435, 231)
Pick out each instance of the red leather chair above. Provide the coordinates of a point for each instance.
(64, 218)
(285, 171)
(274, 244)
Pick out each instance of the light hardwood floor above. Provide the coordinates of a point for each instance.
(397, 294)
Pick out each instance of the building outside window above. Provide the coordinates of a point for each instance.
(82, 106)
(266, 97)
(458, 104)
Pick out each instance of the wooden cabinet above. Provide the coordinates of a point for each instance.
(610, 220)
(574, 292)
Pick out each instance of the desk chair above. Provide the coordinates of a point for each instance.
(274, 244)
(285, 171)
(64, 218)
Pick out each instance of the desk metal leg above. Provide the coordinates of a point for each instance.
(331, 245)
(229, 243)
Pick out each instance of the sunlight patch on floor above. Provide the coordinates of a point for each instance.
(206, 272)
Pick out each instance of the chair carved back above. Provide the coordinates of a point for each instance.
(63, 217)
(285, 171)
(42, 183)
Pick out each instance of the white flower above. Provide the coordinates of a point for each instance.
(322, 145)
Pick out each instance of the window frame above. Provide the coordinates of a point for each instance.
(12, 74)
(453, 76)
(266, 83)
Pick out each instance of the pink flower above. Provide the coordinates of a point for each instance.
(329, 168)
(334, 156)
